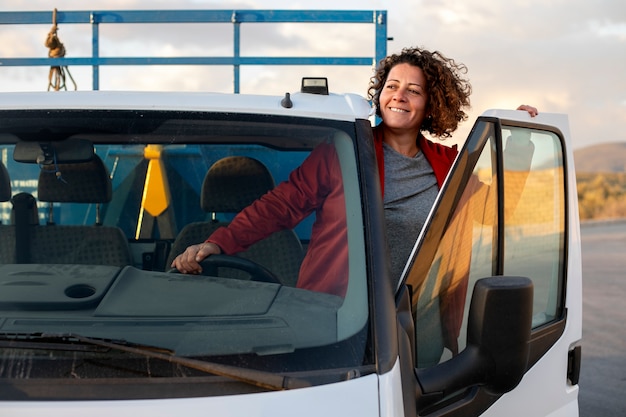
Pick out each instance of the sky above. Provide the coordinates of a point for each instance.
(562, 56)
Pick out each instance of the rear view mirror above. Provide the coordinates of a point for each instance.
(72, 150)
(498, 335)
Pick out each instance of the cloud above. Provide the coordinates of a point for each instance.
(608, 29)
(456, 16)
(560, 55)
(20, 43)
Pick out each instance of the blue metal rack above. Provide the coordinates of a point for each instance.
(96, 18)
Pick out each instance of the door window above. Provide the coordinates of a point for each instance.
(535, 224)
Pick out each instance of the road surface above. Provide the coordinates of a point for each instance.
(603, 369)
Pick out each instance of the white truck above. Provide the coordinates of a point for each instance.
(100, 190)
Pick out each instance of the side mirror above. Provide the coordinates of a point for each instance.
(498, 335)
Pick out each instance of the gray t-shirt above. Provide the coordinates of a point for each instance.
(410, 192)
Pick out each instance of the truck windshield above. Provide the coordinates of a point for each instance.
(96, 205)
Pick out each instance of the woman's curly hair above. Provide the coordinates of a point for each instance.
(448, 92)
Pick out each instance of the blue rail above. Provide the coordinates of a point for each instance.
(96, 18)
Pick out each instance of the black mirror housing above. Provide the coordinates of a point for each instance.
(72, 150)
(500, 322)
(498, 335)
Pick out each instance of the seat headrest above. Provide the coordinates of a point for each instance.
(232, 183)
(5, 183)
(84, 182)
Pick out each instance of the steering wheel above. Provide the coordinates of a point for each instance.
(257, 271)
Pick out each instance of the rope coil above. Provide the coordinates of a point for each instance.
(56, 76)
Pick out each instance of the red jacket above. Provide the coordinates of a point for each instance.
(316, 186)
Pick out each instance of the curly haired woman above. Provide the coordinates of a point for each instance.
(415, 91)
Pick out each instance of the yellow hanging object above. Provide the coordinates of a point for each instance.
(156, 196)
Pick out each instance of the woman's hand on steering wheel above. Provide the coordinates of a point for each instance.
(189, 261)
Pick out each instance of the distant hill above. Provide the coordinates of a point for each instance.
(604, 157)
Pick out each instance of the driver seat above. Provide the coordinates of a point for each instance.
(231, 184)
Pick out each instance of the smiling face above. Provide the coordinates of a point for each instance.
(404, 98)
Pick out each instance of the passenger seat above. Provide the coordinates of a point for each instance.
(85, 182)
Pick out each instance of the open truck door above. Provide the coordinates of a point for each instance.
(494, 287)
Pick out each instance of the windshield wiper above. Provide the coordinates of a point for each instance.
(63, 342)
(262, 379)
(38, 342)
